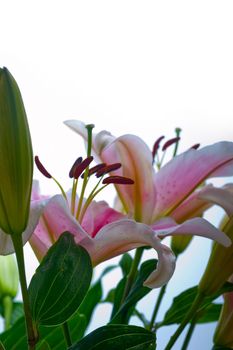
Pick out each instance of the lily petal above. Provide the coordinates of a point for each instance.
(132, 152)
(135, 156)
(98, 215)
(197, 227)
(99, 141)
(194, 206)
(184, 173)
(121, 236)
(55, 219)
(6, 246)
(220, 196)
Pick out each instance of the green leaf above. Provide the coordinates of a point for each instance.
(137, 292)
(17, 312)
(210, 313)
(91, 300)
(182, 303)
(54, 335)
(44, 346)
(221, 348)
(60, 282)
(125, 263)
(1, 346)
(107, 270)
(117, 295)
(15, 338)
(110, 296)
(117, 337)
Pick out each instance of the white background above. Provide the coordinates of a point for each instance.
(142, 67)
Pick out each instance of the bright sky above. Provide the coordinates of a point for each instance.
(142, 67)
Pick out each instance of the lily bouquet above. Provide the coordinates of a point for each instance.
(72, 232)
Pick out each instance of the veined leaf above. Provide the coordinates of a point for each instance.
(137, 292)
(117, 337)
(15, 338)
(125, 263)
(60, 282)
(182, 303)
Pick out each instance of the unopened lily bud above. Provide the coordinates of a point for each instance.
(220, 265)
(16, 160)
(9, 278)
(179, 243)
(223, 334)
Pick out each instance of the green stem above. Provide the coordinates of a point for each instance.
(197, 302)
(32, 333)
(132, 273)
(7, 307)
(189, 334)
(157, 305)
(66, 332)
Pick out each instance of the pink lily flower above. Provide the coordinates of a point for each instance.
(106, 233)
(173, 190)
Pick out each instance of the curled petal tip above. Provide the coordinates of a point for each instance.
(165, 269)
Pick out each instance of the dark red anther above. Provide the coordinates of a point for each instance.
(170, 142)
(120, 180)
(76, 163)
(42, 168)
(156, 146)
(82, 166)
(196, 146)
(107, 169)
(94, 169)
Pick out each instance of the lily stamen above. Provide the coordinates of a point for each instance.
(42, 169)
(76, 163)
(196, 146)
(75, 182)
(109, 180)
(155, 149)
(82, 166)
(94, 169)
(170, 142)
(107, 169)
(120, 180)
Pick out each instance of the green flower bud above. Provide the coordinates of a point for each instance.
(16, 159)
(223, 336)
(9, 278)
(179, 243)
(220, 265)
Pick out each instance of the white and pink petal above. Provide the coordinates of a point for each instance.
(197, 227)
(183, 174)
(124, 235)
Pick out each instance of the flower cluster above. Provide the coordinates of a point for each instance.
(72, 232)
